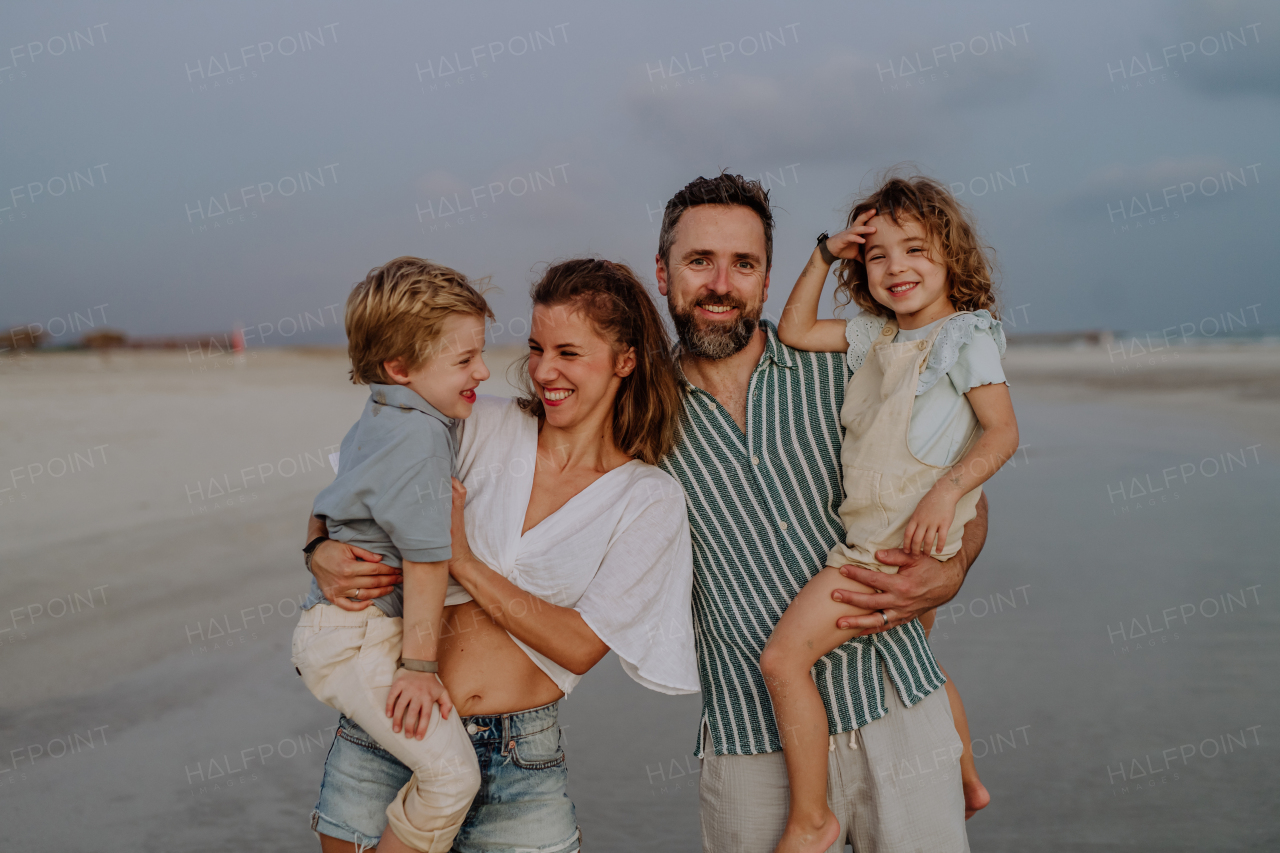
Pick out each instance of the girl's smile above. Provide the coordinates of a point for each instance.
(902, 274)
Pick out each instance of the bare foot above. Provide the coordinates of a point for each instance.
(976, 797)
(809, 837)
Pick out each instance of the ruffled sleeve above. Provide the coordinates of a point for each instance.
(860, 331)
(968, 351)
(640, 601)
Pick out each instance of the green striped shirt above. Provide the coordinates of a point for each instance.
(764, 512)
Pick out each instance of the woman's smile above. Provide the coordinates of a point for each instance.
(555, 396)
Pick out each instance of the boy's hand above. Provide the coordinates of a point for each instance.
(410, 698)
(848, 243)
(931, 521)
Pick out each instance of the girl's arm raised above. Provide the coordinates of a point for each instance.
(800, 327)
(999, 440)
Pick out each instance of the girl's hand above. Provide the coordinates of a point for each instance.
(457, 528)
(848, 243)
(410, 698)
(931, 521)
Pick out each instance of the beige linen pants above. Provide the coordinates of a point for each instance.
(894, 784)
(348, 660)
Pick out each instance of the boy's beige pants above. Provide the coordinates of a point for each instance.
(348, 659)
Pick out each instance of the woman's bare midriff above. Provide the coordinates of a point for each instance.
(484, 670)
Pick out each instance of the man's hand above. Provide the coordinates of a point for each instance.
(409, 701)
(921, 584)
(345, 572)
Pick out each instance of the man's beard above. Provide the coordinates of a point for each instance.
(718, 341)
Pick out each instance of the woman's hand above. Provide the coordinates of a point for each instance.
(848, 243)
(457, 527)
(351, 577)
(409, 701)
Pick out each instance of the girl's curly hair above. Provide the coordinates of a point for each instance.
(968, 262)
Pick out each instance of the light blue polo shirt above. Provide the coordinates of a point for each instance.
(393, 493)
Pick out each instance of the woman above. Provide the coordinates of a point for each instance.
(571, 544)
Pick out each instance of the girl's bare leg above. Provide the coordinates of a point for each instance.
(805, 633)
(976, 796)
(329, 844)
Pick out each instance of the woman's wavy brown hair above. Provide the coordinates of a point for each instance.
(970, 264)
(646, 412)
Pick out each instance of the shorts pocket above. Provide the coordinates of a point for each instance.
(538, 751)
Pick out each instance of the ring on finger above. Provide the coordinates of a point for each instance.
(885, 617)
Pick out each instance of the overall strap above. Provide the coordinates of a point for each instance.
(933, 338)
(887, 332)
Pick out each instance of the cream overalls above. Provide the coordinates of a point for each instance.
(883, 480)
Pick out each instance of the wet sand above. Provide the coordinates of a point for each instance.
(1122, 612)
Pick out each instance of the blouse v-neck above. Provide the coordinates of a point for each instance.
(528, 498)
(620, 556)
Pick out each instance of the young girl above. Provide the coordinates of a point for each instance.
(927, 420)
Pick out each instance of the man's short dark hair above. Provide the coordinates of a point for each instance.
(722, 189)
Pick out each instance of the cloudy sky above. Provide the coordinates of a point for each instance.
(178, 170)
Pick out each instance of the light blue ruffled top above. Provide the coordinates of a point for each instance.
(967, 352)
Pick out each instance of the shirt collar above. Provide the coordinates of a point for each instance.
(774, 350)
(403, 397)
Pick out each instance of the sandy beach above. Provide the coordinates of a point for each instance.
(1113, 643)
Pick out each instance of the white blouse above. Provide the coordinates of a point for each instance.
(618, 552)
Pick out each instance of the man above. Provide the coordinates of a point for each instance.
(759, 459)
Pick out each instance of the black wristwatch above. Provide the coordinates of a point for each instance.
(311, 549)
(822, 247)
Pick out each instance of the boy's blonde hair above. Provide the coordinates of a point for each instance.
(968, 262)
(397, 312)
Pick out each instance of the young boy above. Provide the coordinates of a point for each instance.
(415, 332)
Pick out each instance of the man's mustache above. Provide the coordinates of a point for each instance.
(721, 301)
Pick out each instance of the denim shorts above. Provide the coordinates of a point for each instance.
(522, 807)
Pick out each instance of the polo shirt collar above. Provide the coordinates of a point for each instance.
(403, 397)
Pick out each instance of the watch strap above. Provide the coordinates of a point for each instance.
(420, 665)
(310, 549)
(822, 247)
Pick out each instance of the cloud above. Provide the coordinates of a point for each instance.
(844, 109)
(1229, 47)
(1134, 189)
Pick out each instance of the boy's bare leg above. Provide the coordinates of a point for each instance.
(805, 633)
(976, 795)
